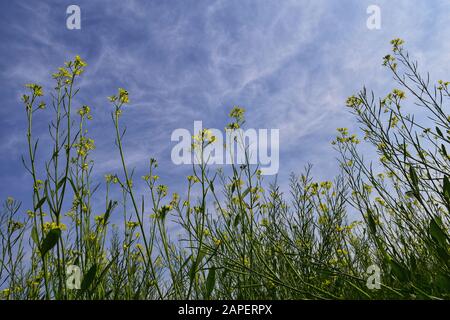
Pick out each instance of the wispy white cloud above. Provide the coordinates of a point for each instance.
(291, 64)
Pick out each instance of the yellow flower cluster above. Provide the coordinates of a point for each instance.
(162, 190)
(326, 185)
(38, 185)
(342, 251)
(396, 44)
(71, 69)
(394, 121)
(203, 138)
(323, 207)
(162, 212)
(265, 222)
(443, 84)
(246, 262)
(312, 188)
(85, 111)
(132, 224)
(353, 102)
(150, 177)
(344, 137)
(85, 145)
(380, 201)
(15, 225)
(388, 59)
(368, 188)
(6, 292)
(322, 220)
(92, 237)
(193, 179)
(122, 97)
(399, 94)
(237, 113)
(111, 178)
(175, 200)
(35, 89)
(53, 225)
(100, 219)
(79, 63)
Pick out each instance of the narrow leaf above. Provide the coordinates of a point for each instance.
(446, 190)
(60, 183)
(50, 241)
(210, 281)
(371, 222)
(439, 132)
(40, 203)
(34, 235)
(437, 233)
(89, 278)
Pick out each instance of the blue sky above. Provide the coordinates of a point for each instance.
(291, 64)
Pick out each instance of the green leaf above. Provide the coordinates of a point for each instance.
(446, 190)
(193, 270)
(185, 262)
(39, 204)
(443, 255)
(60, 183)
(111, 206)
(414, 181)
(413, 263)
(439, 132)
(371, 222)
(210, 281)
(73, 185)
(34, 235)
(244, 194)
(237, 220)
(410, 193)
(437, 233)
(50, 241)
(444, 150)
(414, 177)
(88, 279)
(400, 272)
(443, 282)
